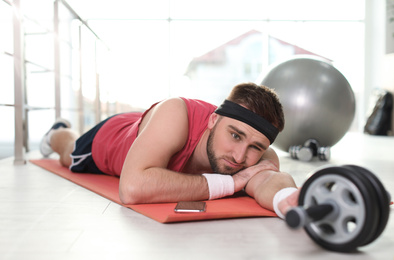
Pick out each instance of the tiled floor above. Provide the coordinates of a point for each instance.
(43, 216)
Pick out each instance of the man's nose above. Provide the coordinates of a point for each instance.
(239, 154)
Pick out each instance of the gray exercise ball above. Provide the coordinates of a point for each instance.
(317, 100)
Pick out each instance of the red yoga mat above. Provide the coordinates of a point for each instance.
(108, 187)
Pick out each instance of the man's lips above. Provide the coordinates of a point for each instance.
(232, 164)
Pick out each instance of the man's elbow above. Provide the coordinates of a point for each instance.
(129, 194)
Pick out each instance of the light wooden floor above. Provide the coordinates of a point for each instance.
(43, 216)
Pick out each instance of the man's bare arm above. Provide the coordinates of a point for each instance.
(264, 185)
(144, 177)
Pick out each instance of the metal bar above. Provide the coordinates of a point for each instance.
(35, 64)
(82, 21)
(19, 82)
(39, 66)
(80, 93)
(97, 101)
(7, 2)
(224, 20)
(26, 142)
(35, 34)
(27, 107)
(56, 58)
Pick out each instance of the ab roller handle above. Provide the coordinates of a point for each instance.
(299, 217)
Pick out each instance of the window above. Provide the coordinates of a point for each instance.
(202, 48)
(130, 54)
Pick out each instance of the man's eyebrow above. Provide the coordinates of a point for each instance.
(239, 132)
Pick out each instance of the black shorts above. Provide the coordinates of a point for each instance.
(82, 160)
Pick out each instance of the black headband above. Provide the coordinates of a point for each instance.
(240, 113)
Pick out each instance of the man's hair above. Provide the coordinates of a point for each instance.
(261, 100)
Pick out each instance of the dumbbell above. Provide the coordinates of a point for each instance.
(341, 208)
(310, 149)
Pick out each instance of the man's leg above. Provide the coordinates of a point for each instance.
(75, 151)
(62, 141)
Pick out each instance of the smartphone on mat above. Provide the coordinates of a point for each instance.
(190, 206)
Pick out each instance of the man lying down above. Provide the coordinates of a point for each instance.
(186, 150)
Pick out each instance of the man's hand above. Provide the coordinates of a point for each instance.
(289, 202)
(242, 178)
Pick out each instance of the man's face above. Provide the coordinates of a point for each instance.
(233, 145)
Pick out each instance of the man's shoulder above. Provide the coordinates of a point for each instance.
(186, 109)
(199, 106)
(198, 103)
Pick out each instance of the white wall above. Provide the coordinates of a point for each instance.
(379, 66)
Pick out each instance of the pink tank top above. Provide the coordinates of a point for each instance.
(113, 140)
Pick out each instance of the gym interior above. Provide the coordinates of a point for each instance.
(85, 60)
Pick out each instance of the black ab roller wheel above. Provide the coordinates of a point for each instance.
(341, 208)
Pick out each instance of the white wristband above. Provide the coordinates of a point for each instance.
(279, 196)
(219, 185)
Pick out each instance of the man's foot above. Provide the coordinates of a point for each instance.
(45, 146)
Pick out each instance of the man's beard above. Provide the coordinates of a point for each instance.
(213, 160)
